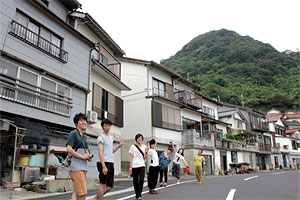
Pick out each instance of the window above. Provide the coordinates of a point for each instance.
(251, 140)
(205, 127)
(31, 88)
(104, 61)
(189, 124)
(209, 111)
(107, 105)
(159, 88)
(27, 81)
(38, 36)
(166, 117)
(234, 157)
(213, 127)
(241, 125)
(294, 145)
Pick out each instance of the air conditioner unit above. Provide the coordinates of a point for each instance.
(92, 117)
(105, 114)
(4, 126)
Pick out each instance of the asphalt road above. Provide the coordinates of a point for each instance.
(282, 185)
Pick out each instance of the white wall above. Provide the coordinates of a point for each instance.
(159, 75)
(137, 109)
(213, 106)
(191, 115)
(168, 135)
(217, 159)
(240, 156)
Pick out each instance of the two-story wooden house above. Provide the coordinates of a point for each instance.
(45, 66)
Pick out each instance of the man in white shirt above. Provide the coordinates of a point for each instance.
(106, 156)
(154, 168)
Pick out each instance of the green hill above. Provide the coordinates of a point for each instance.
(227, 65)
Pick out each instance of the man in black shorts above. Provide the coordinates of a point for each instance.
(106, 156)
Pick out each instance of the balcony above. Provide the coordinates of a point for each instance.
(189, 99)
(264, 147)
(276, 149)
(102, 114)
(234, 145)
(21, 32)
(21, 92)
(193, 138)
(106, 59)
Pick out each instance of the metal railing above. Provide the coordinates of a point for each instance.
(107, 59)
(102, 114)
(35, 40)
(30, 95)
(264, 147)
(192, 137)
(188, 98)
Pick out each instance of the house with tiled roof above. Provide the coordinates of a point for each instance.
(285, 151)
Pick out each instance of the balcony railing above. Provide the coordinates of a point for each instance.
(275, 150)
(107, 59)
(189, 99)
(30, 95)
(192, 137)
(35, 40)
(264, 147)
(102, 114)
(227, 144)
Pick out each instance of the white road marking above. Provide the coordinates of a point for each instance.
(246, 179)
(160, 188)
(231, 194)
(278, 173)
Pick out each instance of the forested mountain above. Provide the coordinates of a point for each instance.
(227, 66)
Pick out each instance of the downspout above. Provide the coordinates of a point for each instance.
(152, 99)
(89, 79)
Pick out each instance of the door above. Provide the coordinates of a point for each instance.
(284, 161)
(207, 166)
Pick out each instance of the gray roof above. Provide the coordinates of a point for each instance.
(99, 31)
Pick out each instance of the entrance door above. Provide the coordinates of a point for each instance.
(284, 161)
(223, 160)
(207, 168)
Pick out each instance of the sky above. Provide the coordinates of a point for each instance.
(157, 29)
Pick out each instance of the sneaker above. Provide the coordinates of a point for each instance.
(152, 192)
(165, 185)
(161, 185)
(139, 198)
(178, 182)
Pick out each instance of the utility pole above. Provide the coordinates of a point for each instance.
(242, 96)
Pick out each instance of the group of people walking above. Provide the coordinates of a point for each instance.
(159, 165)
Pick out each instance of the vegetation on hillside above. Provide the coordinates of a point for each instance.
(228, 66)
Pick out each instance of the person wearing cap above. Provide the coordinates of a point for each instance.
(154, 167)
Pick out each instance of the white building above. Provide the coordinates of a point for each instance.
(104, 100)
